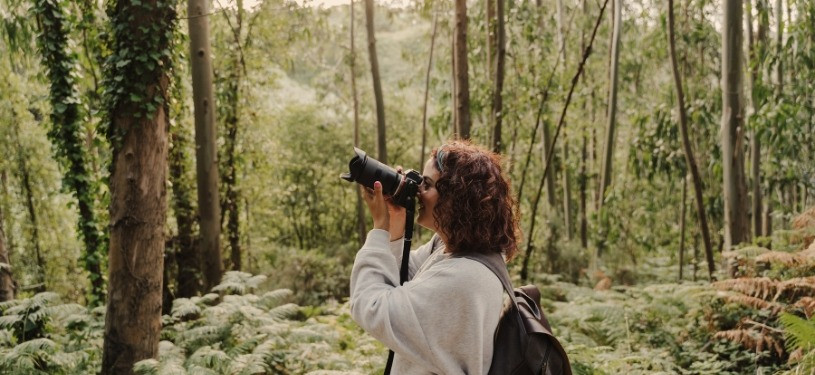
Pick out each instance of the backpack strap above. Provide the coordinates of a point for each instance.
(495, 263)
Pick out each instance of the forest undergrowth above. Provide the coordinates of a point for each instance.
(759, 320)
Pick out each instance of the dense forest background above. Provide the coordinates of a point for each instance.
(170, 200)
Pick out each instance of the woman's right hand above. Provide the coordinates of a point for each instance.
(377, 206)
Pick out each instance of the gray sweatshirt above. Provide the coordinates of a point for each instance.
(442, 321)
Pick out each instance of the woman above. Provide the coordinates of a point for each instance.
(443, 319)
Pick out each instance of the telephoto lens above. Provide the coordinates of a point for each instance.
(365, 170)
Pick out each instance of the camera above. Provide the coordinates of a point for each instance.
(401, 187)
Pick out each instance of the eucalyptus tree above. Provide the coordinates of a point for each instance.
(381, 139)
(66, 135)
(137, 81)
(206, 151)
(757, 47)
(690, 160)
(460, 71)
(611, 117)
(736, 218)
(498, 76)
(352, 62)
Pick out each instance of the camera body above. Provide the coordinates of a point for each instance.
(401, 187)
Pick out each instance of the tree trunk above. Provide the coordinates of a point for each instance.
(498, 73)
(757, 52)
(567, 189)
(608, 153)
(138, 180)
(427, 87)
(491, 35)
(586, 53)
(206, 151)
(736, 219)
(361, 229)
(462, 79)
(381, 145)
(66, 134)
(682, 224)
(690, 160)
(583, 181)
(230, 205)
(188, 282)
(27, 191)
(6, 278)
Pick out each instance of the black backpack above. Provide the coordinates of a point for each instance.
(524, 343)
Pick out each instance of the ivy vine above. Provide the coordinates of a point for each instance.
(66, 135)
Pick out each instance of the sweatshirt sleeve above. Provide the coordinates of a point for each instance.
(417, 320)
(417, 257)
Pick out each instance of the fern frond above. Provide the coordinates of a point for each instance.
(185, 309)
(799, 333)
(748, 252)
(805, 220)
(236, 282)
(273, 298)
(249, 364)
(807, 304)
(756, 303)
(148, 366)
(760, 287)
(751, 339)
(797, 287)
(284, 311)
(782, 257)
(210, 359)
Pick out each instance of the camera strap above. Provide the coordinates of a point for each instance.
(410, 209)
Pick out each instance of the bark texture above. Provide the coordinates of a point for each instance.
(381, 144)
(736, 217)
(462, 95)
(209, 210)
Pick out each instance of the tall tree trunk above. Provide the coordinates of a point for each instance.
(498, 74)
(736, 218)
(138, 180)
(188, 281)
(231, 202)
(6, 278)
(757, 49)
(583, 181)
(586, 53)
(491, 35)
(462, 100)
(28, 192)
(206, 166)
(690, 160)
(66, 134)
(608, 153)
(454, 84)
(567, 188)
(682, 224)
(361, 230)
(381, 145)
(427, 87)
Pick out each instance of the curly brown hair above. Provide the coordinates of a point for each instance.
(475, 209)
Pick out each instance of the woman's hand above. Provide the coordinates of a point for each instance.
(377, 206)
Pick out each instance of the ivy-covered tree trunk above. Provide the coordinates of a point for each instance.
(381, 139)
(66, 134)
(206, 166)
(6, 278)
(137, 89)
(231, 198)
(185, 250)
(462, 96)
(736, 218)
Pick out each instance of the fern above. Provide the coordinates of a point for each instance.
(236, 282)
(800, 333)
